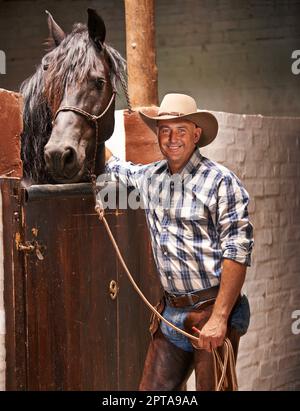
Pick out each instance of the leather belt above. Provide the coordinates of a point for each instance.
(186, 300)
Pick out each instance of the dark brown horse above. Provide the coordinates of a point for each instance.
(69, 104)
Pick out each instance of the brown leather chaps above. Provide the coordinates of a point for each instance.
(167, 367)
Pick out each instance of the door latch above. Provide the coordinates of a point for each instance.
(32, 247)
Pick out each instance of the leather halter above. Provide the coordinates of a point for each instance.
(90, 117)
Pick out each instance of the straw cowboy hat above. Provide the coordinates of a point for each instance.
(181, 106)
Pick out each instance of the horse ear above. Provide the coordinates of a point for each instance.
(96, 28)
(56, 34)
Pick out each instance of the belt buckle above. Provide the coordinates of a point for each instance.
(169, 297)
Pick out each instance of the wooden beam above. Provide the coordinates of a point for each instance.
(141, 55)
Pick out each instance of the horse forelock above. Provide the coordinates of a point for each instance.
(70, 63)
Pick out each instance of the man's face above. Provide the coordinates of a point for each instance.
(177, 140)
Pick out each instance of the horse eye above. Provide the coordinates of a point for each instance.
(99, 83)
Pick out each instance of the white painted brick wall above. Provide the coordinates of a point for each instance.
(265, 155)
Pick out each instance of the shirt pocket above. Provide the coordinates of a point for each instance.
(197, 220)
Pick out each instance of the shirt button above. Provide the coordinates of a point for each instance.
(165, 253)
(169, 277)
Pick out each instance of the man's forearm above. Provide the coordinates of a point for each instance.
(232, 280)
(213, 333)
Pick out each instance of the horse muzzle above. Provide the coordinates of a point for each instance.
(63, 163)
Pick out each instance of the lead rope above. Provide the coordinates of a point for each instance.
(220, 367)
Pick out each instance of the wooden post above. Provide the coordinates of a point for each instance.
(140, 48)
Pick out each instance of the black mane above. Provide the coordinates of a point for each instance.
(66, 64)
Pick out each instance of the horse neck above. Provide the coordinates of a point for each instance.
(100, 160)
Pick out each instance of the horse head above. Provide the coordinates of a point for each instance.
(73, 94)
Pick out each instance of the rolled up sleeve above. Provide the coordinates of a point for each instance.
(234, 228)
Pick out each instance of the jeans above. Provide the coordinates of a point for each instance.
(239, 319)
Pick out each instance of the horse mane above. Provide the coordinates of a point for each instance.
(67, 64)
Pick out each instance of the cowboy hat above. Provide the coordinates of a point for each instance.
(180, 106)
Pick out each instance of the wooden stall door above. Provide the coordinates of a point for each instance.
(71, 319)
(77, 337)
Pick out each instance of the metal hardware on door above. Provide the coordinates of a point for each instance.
(113, 289)
(31, 247)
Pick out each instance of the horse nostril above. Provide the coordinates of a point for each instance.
(61, 162)
(68, 157)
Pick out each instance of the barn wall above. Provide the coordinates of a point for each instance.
(11, 165)
(264, 152)
(2, 313)
(225, 53)
(233, 56)
(11, 125)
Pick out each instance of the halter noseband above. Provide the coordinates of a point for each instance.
(91, 117)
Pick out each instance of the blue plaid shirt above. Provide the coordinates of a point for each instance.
(196, 218)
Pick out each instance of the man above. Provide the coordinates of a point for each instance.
(202, 240)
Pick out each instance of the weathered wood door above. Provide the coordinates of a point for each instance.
(64, 331)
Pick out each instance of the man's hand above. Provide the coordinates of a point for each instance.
(212, 334)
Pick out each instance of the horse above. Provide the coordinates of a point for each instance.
(69, 104)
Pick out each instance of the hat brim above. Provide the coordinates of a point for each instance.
(204, 119)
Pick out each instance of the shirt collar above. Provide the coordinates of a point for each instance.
(192, 165)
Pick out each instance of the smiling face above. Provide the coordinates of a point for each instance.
(177, 141)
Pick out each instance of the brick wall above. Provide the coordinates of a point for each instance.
(11, 125)
(232, 56)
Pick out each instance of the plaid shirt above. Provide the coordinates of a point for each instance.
(196, 218)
